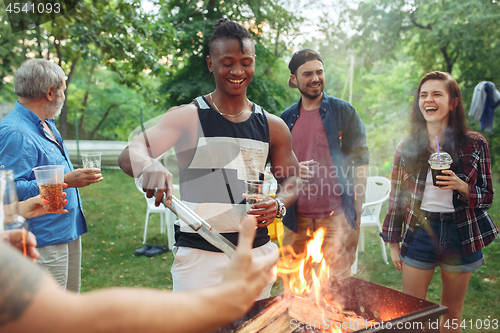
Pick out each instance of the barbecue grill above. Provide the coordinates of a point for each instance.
(398, 311)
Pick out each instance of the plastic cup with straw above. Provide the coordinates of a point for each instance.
(439, 155)
(439, 161)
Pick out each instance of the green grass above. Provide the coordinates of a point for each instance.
(116, 211)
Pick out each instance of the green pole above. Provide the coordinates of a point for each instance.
(77, 139)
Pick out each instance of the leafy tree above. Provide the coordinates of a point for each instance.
(112, 109)
(267, 20)
(12, 52)
(115, 34)
(450, 35)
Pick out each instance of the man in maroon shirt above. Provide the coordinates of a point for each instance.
(327, 133)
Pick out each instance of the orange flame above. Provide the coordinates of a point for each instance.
(307, 274)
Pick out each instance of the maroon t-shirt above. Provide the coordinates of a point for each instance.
(321, 197)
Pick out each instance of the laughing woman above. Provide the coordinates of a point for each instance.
(445, 225)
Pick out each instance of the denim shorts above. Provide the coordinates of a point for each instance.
(436, 243)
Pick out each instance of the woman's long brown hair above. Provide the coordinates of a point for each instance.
(416, 146)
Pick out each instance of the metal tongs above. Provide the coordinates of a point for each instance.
(195, 222)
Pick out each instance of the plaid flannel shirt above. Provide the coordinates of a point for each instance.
(475, 226)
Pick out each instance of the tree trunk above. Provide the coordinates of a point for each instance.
(39, 41)
(449, 62)
(206, 39)
(102, 120)
(85, 98)
(24, 45)
(57, 44)
(276, 44)
(63, 119)
(211, 9)
(277, 54)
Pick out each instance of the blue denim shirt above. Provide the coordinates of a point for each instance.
(24, 146)
(347, 143)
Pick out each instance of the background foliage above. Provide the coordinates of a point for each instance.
(120, 57)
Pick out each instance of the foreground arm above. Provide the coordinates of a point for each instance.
(33, 207)
(15, 238)
(31, 300)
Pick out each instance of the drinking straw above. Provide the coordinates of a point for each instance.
(24, 241)
(439, 155)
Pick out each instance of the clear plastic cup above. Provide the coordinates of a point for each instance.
(10, 216)
(439, 162)
(311, 180)
(256, 191)
(91, 160)
(49, 179)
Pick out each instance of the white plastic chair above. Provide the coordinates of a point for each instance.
(167, 218)
(376, 193)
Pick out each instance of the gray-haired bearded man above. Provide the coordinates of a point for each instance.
(28, 139)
